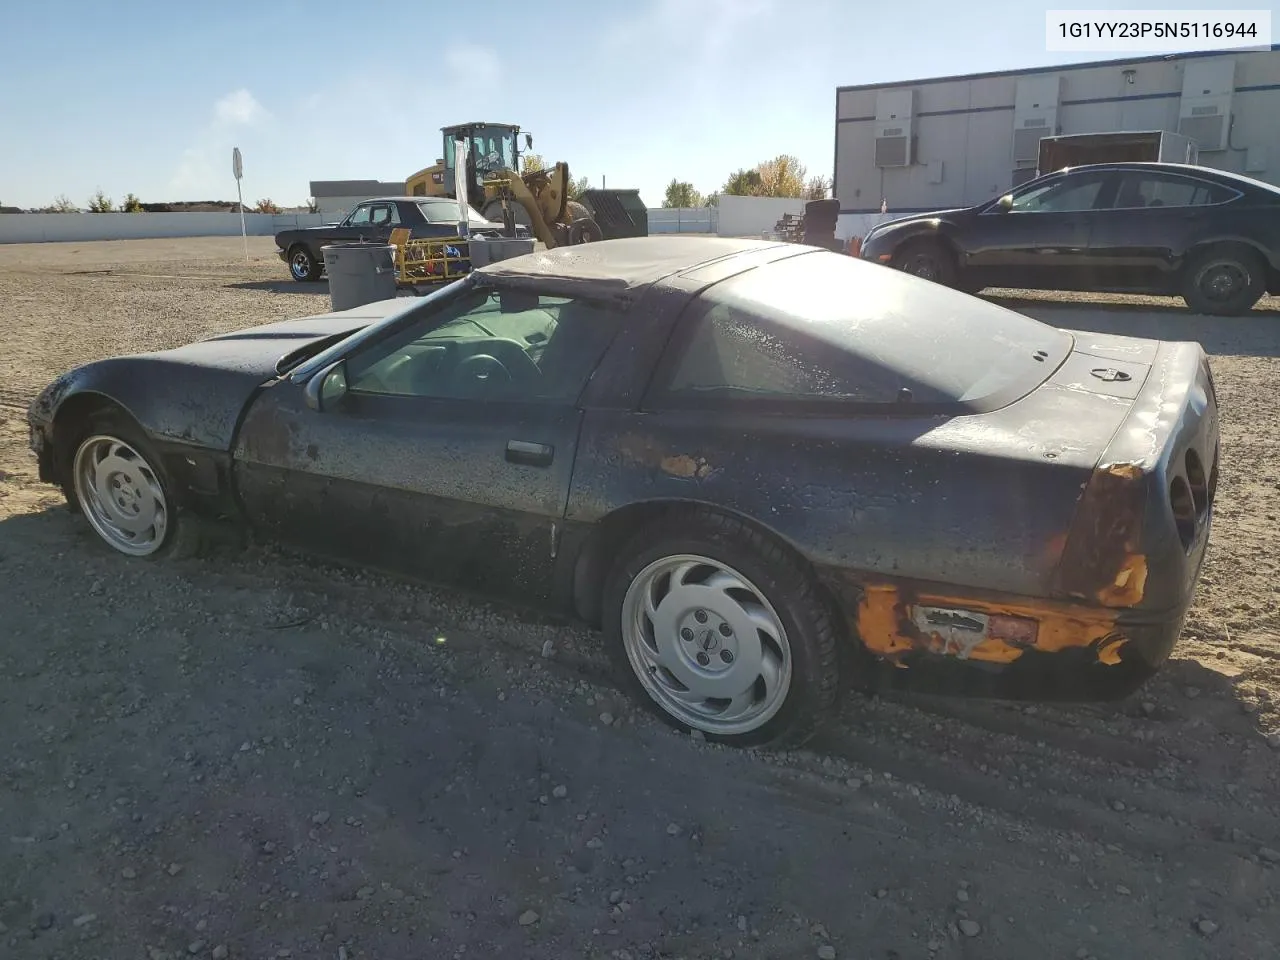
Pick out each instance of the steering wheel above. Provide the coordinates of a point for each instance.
(481, 369)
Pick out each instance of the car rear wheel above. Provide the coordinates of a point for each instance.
(928, 260)
(302, 265)
(720, 630)
(118, 484)
(1224, 281)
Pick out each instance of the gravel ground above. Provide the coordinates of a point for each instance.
(252, 755)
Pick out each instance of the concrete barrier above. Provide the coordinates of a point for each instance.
(82, 227)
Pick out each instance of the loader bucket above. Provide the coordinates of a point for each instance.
(620, 213)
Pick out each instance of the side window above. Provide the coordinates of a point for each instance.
(727, 353)
(384, 215)
(1068, 195)
(360, 215)
(514, 346)
(1166, 190)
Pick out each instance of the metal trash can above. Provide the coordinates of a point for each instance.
(359, 273)
(485, 250)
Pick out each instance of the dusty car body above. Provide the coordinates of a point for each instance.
(732, 455)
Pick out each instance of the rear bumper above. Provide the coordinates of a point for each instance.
(1126, 575)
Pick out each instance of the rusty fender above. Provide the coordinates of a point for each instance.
(896, 618)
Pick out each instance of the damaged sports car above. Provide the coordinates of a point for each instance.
(767, 472)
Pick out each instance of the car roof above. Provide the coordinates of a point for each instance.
(1189, 169)
(622, 267)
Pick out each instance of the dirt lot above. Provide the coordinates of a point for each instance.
(255, 756)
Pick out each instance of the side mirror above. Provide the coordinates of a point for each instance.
(1005, 203)
(528, 141)
(327, 387)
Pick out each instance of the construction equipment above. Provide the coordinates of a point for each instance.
(539, 199)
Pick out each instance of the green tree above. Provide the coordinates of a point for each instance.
(100, 203)
(680, 193)
(61, 204)
(531, 163)
(744, 183)
(131, 204)
(578, 187)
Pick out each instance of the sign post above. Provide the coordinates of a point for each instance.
(237, 169)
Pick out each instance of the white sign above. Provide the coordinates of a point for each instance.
(237, 163)
(1156, 31)
(237, 169)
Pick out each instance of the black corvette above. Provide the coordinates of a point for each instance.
(761, 468)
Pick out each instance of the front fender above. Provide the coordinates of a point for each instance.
(172, 402)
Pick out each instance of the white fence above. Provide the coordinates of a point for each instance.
(682, 220)
(734, 217)
(81, 227)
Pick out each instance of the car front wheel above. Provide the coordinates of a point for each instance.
(720, 630)
(302, 265)
(117, 483)
(928, 260)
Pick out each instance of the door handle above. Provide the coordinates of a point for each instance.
(527, 452)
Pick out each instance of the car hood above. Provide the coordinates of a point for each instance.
(257, 350)
(918, 217)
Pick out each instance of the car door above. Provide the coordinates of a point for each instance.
(1040, 238)
(1138, 241)
(443, 450)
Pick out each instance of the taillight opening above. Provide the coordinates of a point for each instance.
(1197, 482)
(1184, 511)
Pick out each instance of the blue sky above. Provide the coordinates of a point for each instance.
(150, 97)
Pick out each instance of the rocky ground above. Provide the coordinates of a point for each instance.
(251, 755)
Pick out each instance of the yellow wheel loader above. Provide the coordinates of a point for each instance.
(539, 199)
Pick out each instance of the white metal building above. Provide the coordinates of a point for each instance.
(953, 141)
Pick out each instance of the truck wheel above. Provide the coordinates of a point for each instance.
(585, 231)
(1225, 280)
(928, 260)
(302, 265)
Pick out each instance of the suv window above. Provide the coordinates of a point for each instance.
(1167, 190)
(825, 327)
(491, 346)
(1065, 195)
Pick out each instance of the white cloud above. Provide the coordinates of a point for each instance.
(239, 107)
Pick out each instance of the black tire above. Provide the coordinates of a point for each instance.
(929, 260)
(184, 535)
(784, 582)
(1224, 280)
(585, 231)
(302, 265)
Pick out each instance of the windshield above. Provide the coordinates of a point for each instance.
(447, 212)
(412, 306)
(828, 327)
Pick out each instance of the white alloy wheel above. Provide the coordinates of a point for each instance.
(706, 644)
(120, 495)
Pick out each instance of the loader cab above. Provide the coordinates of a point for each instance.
(491, 147)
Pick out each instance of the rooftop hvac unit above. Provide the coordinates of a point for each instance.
(1204, 113)
(1035, 114)
(895, 128)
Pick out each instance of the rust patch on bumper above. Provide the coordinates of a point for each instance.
(886, 628)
